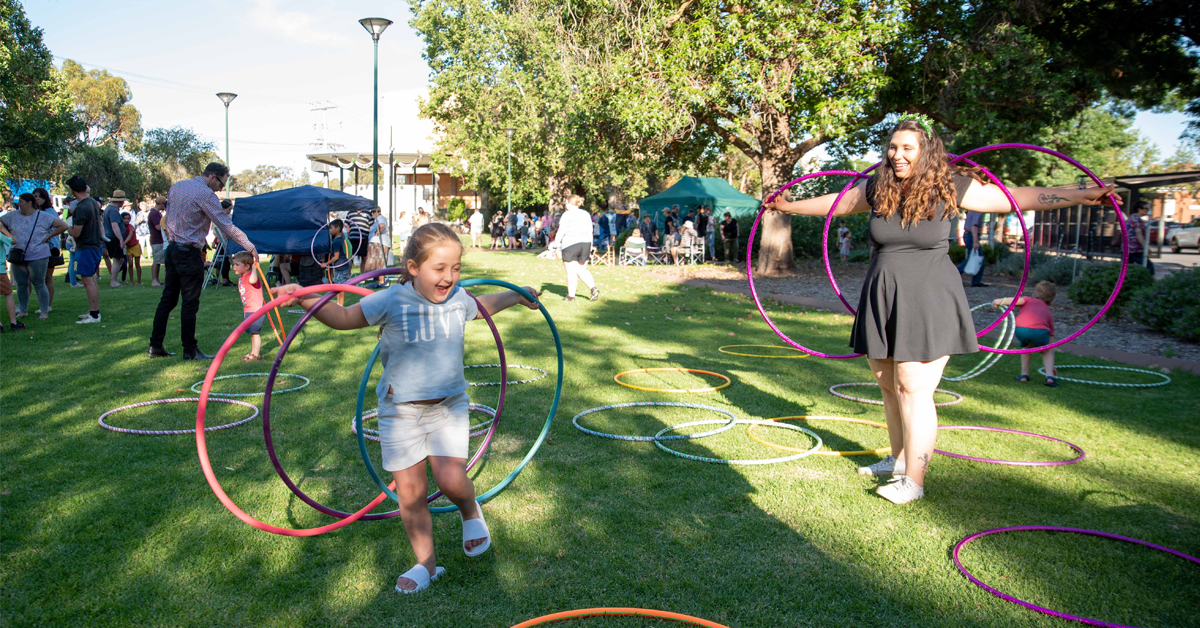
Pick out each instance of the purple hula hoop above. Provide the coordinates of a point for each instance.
(1124, 245)
(1015, 463)
(1041, 609)
(750, 265)
(266, 411)
(312, 250)
(1012, 201)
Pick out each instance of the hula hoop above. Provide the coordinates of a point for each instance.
(618, 376)
(658, 442)
(833, 389)
(495, 490)
(196, 389)
(823, 452)
(325, 227)
(637, 404)
(491, 430)
(751, 355)
(1124, 244)
(1012, 201)
(479, 429)
(1015, 463)
(1041, 609)
(621, 612)
(202, 445)
(1007, 333)
(511, 366)
(172, 432)
(1166, 379)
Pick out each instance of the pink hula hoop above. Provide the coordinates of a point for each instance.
(202, 446)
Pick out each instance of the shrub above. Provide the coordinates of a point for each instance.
(1096, 282)
(1058, 270)
(1012, 264)
(992, 254)
(1171, 306)
(456, 208)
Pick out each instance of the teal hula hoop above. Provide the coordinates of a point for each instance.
(362, 389)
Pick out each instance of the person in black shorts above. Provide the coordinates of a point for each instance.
(574, 239)
(913, 312)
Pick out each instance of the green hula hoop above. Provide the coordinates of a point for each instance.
(252, 394)
(1165, 379)
(1007, 333)
(495, 490)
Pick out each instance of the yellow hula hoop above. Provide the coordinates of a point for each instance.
(823, 452)
(728, 381)
(751, 355)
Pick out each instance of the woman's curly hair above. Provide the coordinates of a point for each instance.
(929, 181)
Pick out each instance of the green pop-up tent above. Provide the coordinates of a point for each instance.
(691, 192)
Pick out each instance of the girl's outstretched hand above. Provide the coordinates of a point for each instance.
(526, 302)
(287, 289)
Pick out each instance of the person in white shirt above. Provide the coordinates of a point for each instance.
(476, 222)
(574, 239)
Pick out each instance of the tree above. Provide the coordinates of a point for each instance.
(262, 179)
(106, 170)
(36, 123)
(179, 150)
(102, 105)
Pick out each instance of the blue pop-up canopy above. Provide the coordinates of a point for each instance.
(285, 221)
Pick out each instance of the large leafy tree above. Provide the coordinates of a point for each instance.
(102, 104)
(261, 179)
(36, 122)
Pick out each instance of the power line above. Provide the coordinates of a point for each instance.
(161, 82)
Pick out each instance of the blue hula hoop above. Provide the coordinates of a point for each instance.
(362, 389)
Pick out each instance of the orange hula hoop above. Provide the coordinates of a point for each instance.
(619, 611)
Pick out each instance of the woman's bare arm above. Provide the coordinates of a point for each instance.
(989, 199)
(855, 201)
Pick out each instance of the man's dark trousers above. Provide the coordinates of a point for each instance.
(185, 277)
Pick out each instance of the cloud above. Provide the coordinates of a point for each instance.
(306, 28)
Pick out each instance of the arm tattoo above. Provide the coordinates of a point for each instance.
(924, 458)
(1051, 199)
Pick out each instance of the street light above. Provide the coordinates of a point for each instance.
(509, 131)
(226, 97)
(375, 26)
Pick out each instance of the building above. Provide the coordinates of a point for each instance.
(407, 181)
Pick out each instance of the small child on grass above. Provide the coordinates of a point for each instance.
(339, 260)
(250, 288)
(846, 247)
(1035, 328)
(422, 394)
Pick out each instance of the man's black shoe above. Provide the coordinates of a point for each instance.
(196, 354)
(158, 352)
(980, 285)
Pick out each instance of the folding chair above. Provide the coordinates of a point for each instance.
(606, 257)
(657, 255)
(632, 257)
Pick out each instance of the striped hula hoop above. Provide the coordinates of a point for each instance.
(1166, 379)
(172, 432)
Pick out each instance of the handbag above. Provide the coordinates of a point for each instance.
(17, 256)
(974, 262)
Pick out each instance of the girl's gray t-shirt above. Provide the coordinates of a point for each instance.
(20, 226)
(421, 342)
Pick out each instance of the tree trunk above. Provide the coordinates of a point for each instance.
(560, 189)
(775, 254)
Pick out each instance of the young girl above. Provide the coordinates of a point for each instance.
(1035, 328)
(846, 247)
(422, 398)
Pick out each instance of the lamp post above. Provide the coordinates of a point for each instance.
(375, 26)
(226, 97)
(509, 131)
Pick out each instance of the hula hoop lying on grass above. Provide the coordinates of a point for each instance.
(618, 376)
(202, 444)
(1166, 379)
(1015, 463)
(171, 432)
(823, 452)
(833, 389)
(495, 490)
(1041, 609)
(658, 441)
(638, 404)
(511, 366)
(196, 389)
(776, 357)
(1008, 331)
(478, 429)
(620, 612)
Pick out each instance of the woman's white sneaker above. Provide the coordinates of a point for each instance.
(901, 490)
(886, 467)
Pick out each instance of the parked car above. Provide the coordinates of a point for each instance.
(1152, 230)
(1185, 237)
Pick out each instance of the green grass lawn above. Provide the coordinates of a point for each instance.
(106, 529)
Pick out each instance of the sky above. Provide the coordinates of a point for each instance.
(283, 59)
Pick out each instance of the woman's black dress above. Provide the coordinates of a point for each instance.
(913, 306)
